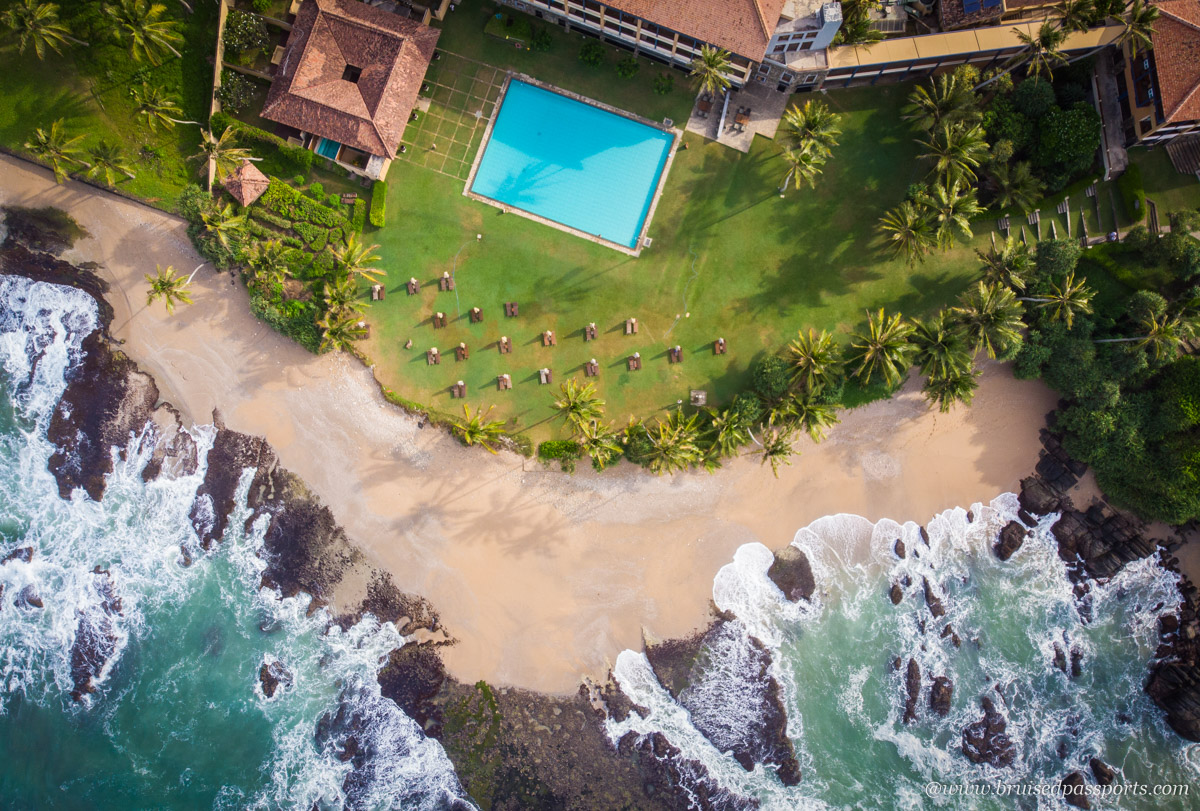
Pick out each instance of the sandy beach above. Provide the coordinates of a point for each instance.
(541, 577)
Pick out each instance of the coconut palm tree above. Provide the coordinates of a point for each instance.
(803, 410)
(37, 24)
(909, 230)
(991, 316)
(1164, 335)
(599, 442)
(1008, 264)
(139, 26)
(946, 100)
(803, 167)
(883, 349)
(1016, 185)
(775, 447)
(956, 388)
(1075, 15)
(815, 360)
(673, 442)
(726, 433)
(224, 155)
(709, 69)
(341, 294)
(55, 148)
(1042, 52)
(109, 163)
(578, 404)
(152, 103)
(811, 126)
(339, 330)
(956, 151)
(953, 205)
(268, 267)
(477, 429)
(169, 286)
(1065, 300)
(1137, 30)
(224, 225)
(941, 347)
(353, 258)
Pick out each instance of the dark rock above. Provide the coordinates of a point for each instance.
(23, 554)
(933, 601)
(29, 598)
(1011, 538)
(925, 536)
(95, 638)
(673, 660)
(792, 573)
(42, 230)
(412, 677)
(899, 548)
(897, 663)
(1103, 773)
(1175, 688)
(896, 594)
(970, 516)
(1027, 518)
(1060, 658)
(949, 631)
(1038, 498)
(912, 683)
(1076, 663)
(1074, 789)
(273, 675)
(986, 741)
(1063, 750)
(1168, 624)
(941, 695)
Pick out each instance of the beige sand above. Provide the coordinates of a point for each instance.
(542, 577)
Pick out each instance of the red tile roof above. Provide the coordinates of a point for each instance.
(1177, 58)
(311, 93)
(742, 27)
(246, 184)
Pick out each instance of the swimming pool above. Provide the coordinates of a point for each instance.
(328, 149)
(573, 163)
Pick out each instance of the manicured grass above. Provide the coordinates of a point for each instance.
(1171, 190)
(730, 259)
(463, 33)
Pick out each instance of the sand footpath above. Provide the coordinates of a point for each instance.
(543, 578)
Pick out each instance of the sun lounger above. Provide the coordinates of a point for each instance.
(377, 292)
(634, 361)
(548, 338)
(631, 326)
(589, 332)
(675, 354)
(504, 382)
(591, 368)
(505, 345)
(545, 376)
(439, 320)
(511, 309)
(476, 315)
(459, 389)
(414, 287)
(446, 282)
(461, 352)
(432, 358)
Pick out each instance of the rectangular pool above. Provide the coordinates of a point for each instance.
(328, 149)
(573, 163)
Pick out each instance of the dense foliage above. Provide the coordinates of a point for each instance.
(378, 203)
(245, 32)
(236, 92)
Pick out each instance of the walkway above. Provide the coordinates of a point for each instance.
(766, 109)
(1113, 131)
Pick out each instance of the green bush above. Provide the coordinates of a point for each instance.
(378, 203)
(564, 450)
(592, 53)
(523, 443)
(285, 160)
(358, 217)
(771, 377)
(296, 322)
(316, 191)
(260, 6)
(260, 213)
(541, 40)
(333, 200)
(235, 92)
(245, 32)
(628, 67)
(287, 202)
(664, 83)
(1133, 193)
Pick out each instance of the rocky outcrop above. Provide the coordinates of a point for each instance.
(23, 554)
(1102, 540)
(96, 640)
(413, 677)
(1103, 773)
(899, 549)
(678, 771)
(673, 660)
(949, 633)
(896, 594)
(1011, 538)
(1175, 687)
(1074, 790)
(912, 686)
(941, 695)
(28, 597)
(273, 676)
(933, 601)
(792, 573)
(986, 740)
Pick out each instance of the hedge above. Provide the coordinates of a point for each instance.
(358, 217)
(559, 449)
(293, 159)
(289, 203)
(1133, 194)
(378, 202)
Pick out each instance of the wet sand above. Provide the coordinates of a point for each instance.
(541, 577)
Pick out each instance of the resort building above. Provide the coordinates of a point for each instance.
(348, 82)
(1160, 88)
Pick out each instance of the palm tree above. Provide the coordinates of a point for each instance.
(956, 150)
(1076, 15)
(138, 25)
(221, 152)
(991, 316)
(54, 147)
(578, 404)
(153, 103)
(673, 443)
(726, 433)
(1009, 264)
(1163, 335)
(1016, 185)
(909, 229)
(803, 167)
(599, 442)
(353, 258)
(108, 161)
(709, 69)
(953, 205)
(946, 101)
(1066, 299)
(266, 261)
(942, 349)
(1137, 30)
(775, 447)
(814, 417)
(339, 330)
(882, 349)
(813, 124)
(224, 225)
(956, 388)
(341, 294)
(1041, 52)
(168, 286)
(37, 24)
(476, 429)
(815, 360)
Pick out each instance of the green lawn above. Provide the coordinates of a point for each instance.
(1168, 188)
(745, 264)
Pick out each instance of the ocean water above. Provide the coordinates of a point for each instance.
(845, 702)
(179, 719)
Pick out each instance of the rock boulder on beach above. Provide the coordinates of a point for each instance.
(1011, 538)
(792, 573)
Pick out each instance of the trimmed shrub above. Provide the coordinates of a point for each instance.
(316, 191)
(235, 91)
(566, 451)
(628, 67)
(260, 213)
(245, 31)
(333, 200)
(287, 159)
(260, 6)
(1133, 193)
(378, 203)
(664, 83)
(297, 322)
(541, 41)
(358, 217)
(770, 377)
(592, 53)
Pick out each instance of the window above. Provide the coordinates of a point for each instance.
(809, 78)
(351, 74)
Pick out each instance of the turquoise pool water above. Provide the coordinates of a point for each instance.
(573, 163)
(328, 149)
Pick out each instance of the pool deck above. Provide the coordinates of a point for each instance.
(766, 109)
(662, 177)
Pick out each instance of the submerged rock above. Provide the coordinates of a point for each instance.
(912, 684)
(896, 594)
(933, 601)
(792, 573)
(412, 677)
(23, 554)
(1175, 688)
(899, 548)
(941, 694)
(986, 741)
(273, 675)
(1011, 538)
(1060, 658)
(1103, 773)
(29, 598)
(1074, 789)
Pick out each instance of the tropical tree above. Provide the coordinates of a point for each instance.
(947, 100)
(169, 286)
(353, 258)
(578, 404)
(673, 443)
(726, 433)
(883, 349)
(991, 316)
(224, 155)
(775, 447)
(805, 411)
(1137, 29)
(152, 103)
(599, 442)
(941, 347)
(224, 225)
(803, 167)
(1065, 299)
(956, 388)
(1016, 185)
(1041, 52)
(37, 24)
(813, 126)
(109, 163)
(909, 230)
(139, 26)
(1008, 264)
(1163, 335)
(952, 204)
(857, 27)
(709, 69)
(53, 146)
(956, 150)
(1076, 15)
(341, 293)
(340, 329)
(815, 360)
(477, 429)
(268, 268)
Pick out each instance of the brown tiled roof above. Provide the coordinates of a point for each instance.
(310, 93)
(1177, 58)
(742, 27)
(246, 184)
(952, 15)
